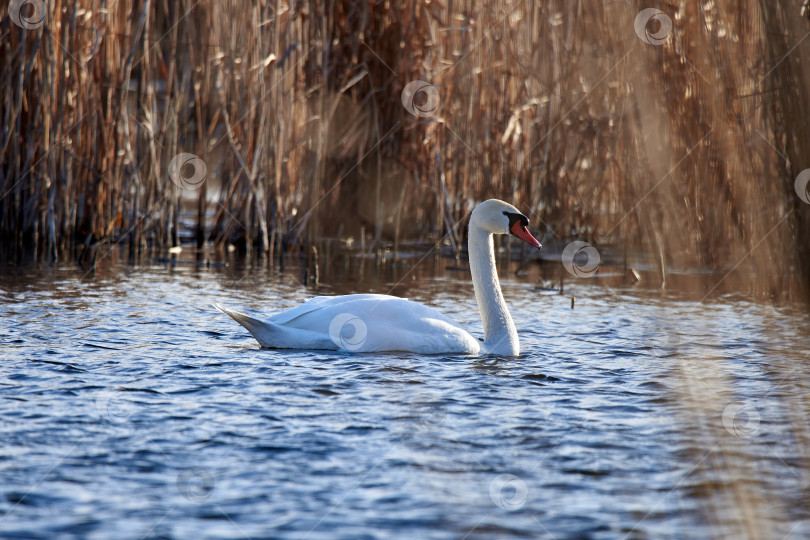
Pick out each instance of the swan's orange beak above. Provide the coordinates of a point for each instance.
(520, 230)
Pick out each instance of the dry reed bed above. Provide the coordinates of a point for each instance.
(688, 149)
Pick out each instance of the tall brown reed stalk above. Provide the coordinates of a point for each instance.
(687, 149)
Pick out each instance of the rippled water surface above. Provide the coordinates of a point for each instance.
(130, 408)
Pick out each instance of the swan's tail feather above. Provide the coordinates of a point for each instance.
(259, 329)
(277, 336)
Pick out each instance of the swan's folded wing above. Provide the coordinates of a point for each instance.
(336, 304)
(311, 305)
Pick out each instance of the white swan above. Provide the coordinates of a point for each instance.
(376, 322)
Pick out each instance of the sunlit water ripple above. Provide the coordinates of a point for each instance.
(129, 408)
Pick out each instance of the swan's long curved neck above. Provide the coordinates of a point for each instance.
(500, 335)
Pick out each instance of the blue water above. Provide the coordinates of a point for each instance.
(129, 408)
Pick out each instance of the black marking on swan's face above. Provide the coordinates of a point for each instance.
(518, 227)
(515, 218)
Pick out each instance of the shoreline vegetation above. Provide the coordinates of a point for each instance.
(274, 125)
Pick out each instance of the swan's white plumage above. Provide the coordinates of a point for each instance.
(377, 323)
(388, 323)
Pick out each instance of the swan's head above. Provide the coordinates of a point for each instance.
(498, 217)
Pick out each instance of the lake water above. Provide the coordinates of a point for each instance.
(130, 408)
